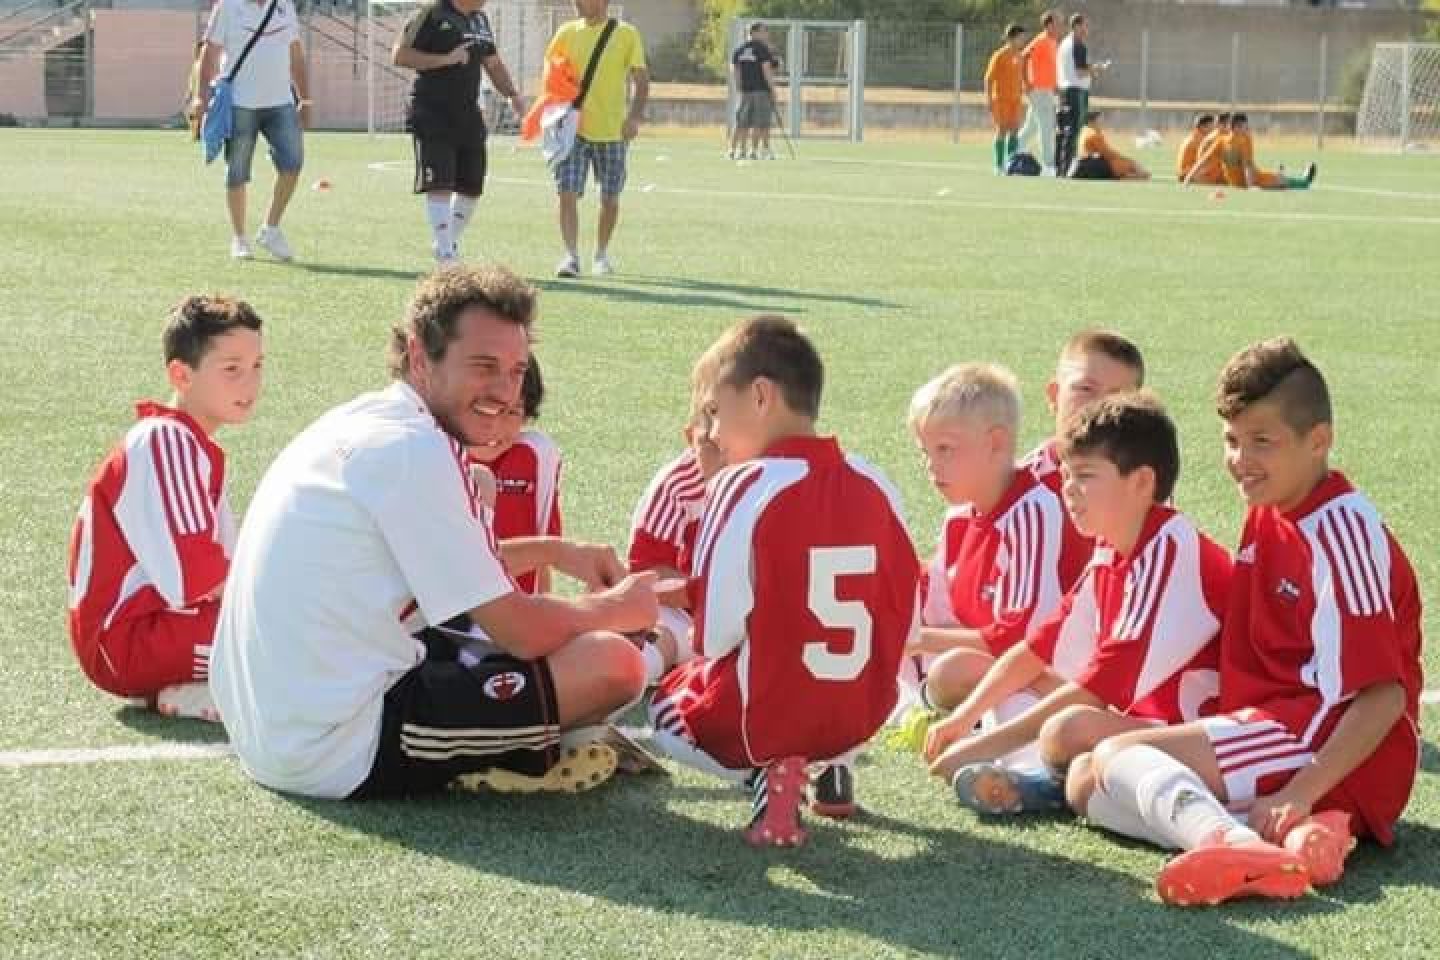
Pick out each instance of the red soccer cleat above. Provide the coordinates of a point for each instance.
(1214, 874)
(779, 794)
(1322, 842)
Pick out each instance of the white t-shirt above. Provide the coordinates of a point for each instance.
(367, 512)
(264, 79)
(1069, 57)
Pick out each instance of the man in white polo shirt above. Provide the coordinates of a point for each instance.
(1075, 68)
(271, 99)
(369, 519)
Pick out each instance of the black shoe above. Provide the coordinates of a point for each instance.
(834, 793)
(1310, 172)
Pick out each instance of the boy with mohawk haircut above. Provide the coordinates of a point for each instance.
(1320, 677)
(804, 590)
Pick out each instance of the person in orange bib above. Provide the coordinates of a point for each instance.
(1005, 92)
(1094, 146)
(1237, 158)
(1190, 148)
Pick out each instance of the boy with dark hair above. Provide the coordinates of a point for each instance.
(1206, 169)
(1096, 159)
(151, 548)
(804, 587)
(1237, 159)
(523, 466)
(1135, 641)
(1319, 669)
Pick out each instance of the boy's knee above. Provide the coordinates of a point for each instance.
(620, 665)
(1080, 783)
(1065, 734)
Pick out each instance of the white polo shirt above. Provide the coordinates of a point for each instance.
(368, 511)
(1069, 57)
(264, 79)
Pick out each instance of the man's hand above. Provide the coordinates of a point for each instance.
(631, 129)
(632, 602)
(305, 114)
(594, 564)
(517, 107)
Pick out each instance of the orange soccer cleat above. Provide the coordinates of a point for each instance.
(1322, 842)
(1219, 872)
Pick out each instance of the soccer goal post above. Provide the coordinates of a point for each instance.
(1400, 109)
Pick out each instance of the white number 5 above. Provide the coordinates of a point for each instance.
(826, 564)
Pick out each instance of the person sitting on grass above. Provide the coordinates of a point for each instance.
(150, 551)
(1097, 160)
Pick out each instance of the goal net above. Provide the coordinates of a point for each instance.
(1400, 109)
(522, 29)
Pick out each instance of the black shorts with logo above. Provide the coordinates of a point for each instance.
(454, 714)
(450, 153)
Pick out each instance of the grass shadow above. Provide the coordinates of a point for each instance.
(174, 729)
(635, 844)
(687, 292)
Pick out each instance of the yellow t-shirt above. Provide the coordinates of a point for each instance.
(603, 114)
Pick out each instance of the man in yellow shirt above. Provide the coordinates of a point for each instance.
(1005, 92)
(606, 125)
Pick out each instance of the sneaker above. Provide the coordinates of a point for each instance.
(602, 267)
(631, 756)
(189, 700)
(994, 790)
(274, 241)
(1323, 842)
(1213, 874)
(779, 791)
(834, 793)
(240, 248)
(568, 267)
(1310, 173)
(579, 768)
(909, 734)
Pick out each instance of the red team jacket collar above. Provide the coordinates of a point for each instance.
(1022, 483)
(153, 408)
(816, 450)
(1158, 516)
(1332, 485)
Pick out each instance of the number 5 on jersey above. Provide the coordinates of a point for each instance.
(827, 564)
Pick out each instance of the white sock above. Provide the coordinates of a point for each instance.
(1021, 758)
(683, 751)
(1171, 798)
(437, 211)
(461, 208)
(1108, 813)
(654, 664)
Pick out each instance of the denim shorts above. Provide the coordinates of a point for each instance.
(281, 128)
(608, 159)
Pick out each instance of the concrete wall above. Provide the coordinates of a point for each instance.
(142, 62)
(1190, 47)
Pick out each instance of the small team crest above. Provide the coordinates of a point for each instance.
(1287, 591)
(505, 686)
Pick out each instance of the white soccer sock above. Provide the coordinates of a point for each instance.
(1021, 758)
(437, 211)
(683, 751)
(1110, 814)
(461, 209)
(1171, 798)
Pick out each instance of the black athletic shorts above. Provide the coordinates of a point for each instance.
(453, 715)
(454, 160)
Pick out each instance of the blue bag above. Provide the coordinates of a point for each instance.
(219, 120)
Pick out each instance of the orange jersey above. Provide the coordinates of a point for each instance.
(1237, 154)
(1040, 55)
(1189, 153)
(1207, 157)
(1094, 144)
(1004, 77)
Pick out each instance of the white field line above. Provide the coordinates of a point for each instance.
(16, 759)
(1029, 207)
